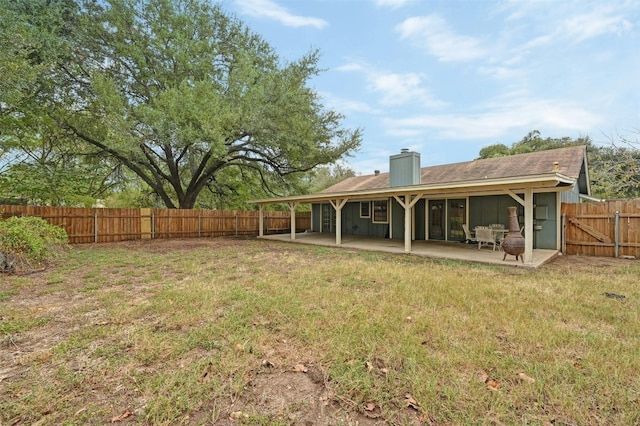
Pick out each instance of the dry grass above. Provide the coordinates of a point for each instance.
(174, 331)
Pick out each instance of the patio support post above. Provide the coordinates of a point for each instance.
(528, 225)
(407, 204)
(338, 204)
(261, 220)
(292, 208)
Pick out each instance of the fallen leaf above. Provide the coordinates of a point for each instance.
(526, 378)
(368, 365)
(483, 376)
(122, 416)
(384, 371)
(370, 406)
(300, 368)
(267, 363)
(492, 384)
(409, 319)
(238, 415)
(239, 347)
(411, 403)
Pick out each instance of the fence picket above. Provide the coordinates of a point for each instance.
(617, 221)
(99, 225)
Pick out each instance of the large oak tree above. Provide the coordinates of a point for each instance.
(180, 93)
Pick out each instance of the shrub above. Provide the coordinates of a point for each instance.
(29, 242)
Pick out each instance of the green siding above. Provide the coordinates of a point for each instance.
(545, 238)
(420, 211)
(493, 209)
(316, 214)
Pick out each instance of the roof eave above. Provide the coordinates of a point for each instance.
(540, 181)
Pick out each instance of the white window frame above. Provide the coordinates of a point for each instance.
(373, 213)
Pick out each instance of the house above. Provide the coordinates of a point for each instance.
(432, 203)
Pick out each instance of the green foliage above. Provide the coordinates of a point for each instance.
(177, 92)
(533, 142)
(28, 241)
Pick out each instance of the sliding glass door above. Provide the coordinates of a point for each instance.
(446, 218)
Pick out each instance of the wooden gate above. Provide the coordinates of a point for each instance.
(610, 228)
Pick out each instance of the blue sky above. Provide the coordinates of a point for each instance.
(446, 78)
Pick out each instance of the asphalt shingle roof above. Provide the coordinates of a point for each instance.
(570, 161)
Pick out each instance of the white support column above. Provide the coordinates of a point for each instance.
(528, 225)
(292, 208)
(338, 204)
(261, 221)
(407, 204)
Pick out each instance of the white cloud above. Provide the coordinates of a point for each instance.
(400, 89)
(597, 23)
(272, 10)
(352, 66)
(433, 34)
(522, 116)
(395, 88)
(394, 4)
(347, 105)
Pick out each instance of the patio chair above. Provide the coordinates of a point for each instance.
(468, 234)
(486, 236)
(498, 233)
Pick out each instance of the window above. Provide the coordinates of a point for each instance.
(365, 209)
(381, 211)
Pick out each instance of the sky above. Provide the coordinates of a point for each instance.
(446, 78)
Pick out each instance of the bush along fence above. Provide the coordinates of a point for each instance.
(100, 225)
(608, 229)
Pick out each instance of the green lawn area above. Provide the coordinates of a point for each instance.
(184, 331)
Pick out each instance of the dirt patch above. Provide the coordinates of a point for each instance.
(291, 397)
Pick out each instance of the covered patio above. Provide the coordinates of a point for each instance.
(432, 249)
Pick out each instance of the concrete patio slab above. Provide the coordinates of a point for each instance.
(432, 249)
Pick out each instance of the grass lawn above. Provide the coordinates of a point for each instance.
(223, 331)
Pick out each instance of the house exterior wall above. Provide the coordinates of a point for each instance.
(352, 223)
(545, 221)
(482, 210)
(420, 212)
(572, 196)
(316, 216)
(397, 217)
(493, 209)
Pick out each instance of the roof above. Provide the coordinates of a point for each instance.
(536, 169)
(570, 163)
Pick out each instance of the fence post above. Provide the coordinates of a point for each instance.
(199, 224)
(145, 224)
(95, 227)
(563, 234)
(617, 233)
(236, 224)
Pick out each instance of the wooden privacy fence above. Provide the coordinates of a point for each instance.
(100, 225)
(610, 228)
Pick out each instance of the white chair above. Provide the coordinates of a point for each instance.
(486, 236)
(498, 233)
(468, 234)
